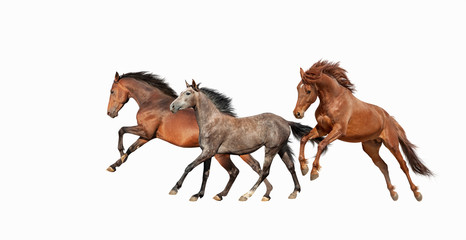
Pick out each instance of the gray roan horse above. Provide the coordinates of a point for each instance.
(226, 134)
(155, 120)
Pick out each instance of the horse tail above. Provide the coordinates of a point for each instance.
(300, 131)
(287, 149)
(409, 150)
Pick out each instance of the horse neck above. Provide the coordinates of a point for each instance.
(142, 93)
(328, 89)
(205, 110)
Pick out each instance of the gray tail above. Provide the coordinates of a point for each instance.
(298, 130)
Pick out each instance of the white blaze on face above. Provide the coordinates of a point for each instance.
(301, 85)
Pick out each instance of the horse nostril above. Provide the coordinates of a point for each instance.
(298, 114)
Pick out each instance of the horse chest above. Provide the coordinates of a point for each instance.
(325, 122)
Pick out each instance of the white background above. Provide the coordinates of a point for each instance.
(57, 62)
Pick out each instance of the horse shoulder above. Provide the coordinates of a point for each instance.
(338, 112)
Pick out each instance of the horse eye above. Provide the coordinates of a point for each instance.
(188, 93)
(111, 92)
(308, 92)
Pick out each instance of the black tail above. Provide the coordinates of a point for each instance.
(300, 131)
(409, 150)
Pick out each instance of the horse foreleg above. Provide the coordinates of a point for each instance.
(205, 155)
(136, 130)
(141, 141)
(314, 133)
(205, 176)
(336, 132)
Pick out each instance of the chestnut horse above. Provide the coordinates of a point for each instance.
(153, 95)
(224, 133)
(340, 115)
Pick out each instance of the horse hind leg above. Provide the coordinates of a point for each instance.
(392, 143)
(286, 156)
(233, 171)
(269, 155)
(372, 149)
(255, 165)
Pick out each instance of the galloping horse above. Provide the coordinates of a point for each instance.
(340, 115)
(155, 120)
(226, 134)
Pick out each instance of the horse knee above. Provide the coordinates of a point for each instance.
(304, 140)
(189, 168)
(121, 131)
(321, 146)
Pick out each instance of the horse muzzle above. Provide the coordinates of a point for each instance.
(174, 109)
(113, 112)
(298, 114)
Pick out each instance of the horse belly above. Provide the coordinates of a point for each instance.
(240, 144)
(362, 128)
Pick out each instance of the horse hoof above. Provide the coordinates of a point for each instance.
(418, 196)
(265, 199)
(111, 169)
(218, 198)
(304, 170)
(314, 176)
(243, 198)
(193, 198)
(293, 195)
(394, 196)
(173, 192)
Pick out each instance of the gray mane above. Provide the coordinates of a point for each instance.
(222, 102)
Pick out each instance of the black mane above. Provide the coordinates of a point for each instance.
(153, 80)
(222, 102)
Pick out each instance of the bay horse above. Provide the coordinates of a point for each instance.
(221, 133)
(154, 120)
(340, 115)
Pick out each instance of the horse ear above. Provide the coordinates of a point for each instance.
(195, 86)
(301, 71)
(187, 84)
(117, 77)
